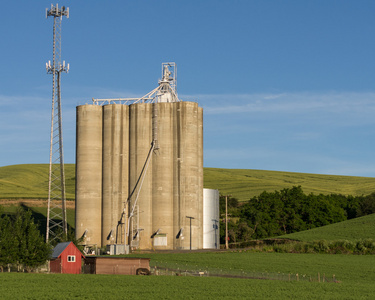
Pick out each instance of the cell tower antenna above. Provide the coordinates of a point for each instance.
(56, 213)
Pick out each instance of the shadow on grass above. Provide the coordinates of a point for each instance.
(41, 219)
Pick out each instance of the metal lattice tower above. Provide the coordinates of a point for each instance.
(56, 214)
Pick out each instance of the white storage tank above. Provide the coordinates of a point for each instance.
(211, 218)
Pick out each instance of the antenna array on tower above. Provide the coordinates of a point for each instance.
(56, 213)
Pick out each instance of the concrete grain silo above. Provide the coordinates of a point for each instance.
(115, 171)
(140, 143)
(89, 173)
(140, 170)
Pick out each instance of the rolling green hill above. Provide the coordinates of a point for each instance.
(351, 230)
(244, 184)
(31, 181)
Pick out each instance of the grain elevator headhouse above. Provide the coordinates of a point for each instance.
(139, 170)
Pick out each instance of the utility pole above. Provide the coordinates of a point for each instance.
(215, 228)
(190, 228)
(56, 212)
(226, 221)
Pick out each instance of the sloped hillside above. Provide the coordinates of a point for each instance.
(244, 184)
(31, 181)
(351, 230)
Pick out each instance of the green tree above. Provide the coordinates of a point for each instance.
(8, 246)
(366, 205)
(244, 231)
(232, 205)
(21, 241)
(290, 210)
(33, 251)
(352, 205)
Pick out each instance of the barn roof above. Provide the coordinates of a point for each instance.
(59, 249)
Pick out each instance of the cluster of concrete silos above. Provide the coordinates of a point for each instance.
(133, 192)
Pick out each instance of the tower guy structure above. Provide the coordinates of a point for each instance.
(139, 171)
(56, 213)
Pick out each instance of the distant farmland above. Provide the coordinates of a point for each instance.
(31, 182)
(244, 184)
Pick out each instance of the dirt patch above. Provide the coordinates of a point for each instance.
(32, 203)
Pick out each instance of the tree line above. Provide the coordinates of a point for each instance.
(21, 242)
(289, 210)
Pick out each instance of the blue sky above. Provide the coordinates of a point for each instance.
(285, 85)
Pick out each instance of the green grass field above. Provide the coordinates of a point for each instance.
(351, 230)
(239, 261)
(31, 182)
(355, 274)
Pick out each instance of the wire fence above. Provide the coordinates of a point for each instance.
(19, 268)
(160, 270)
(245, 274)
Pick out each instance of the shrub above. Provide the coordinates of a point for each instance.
(369, 244)
(298, 247)
(349, 245)
(360, 247)
(277, 248)
(321, 246)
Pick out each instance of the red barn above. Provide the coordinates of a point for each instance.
(66, 258)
